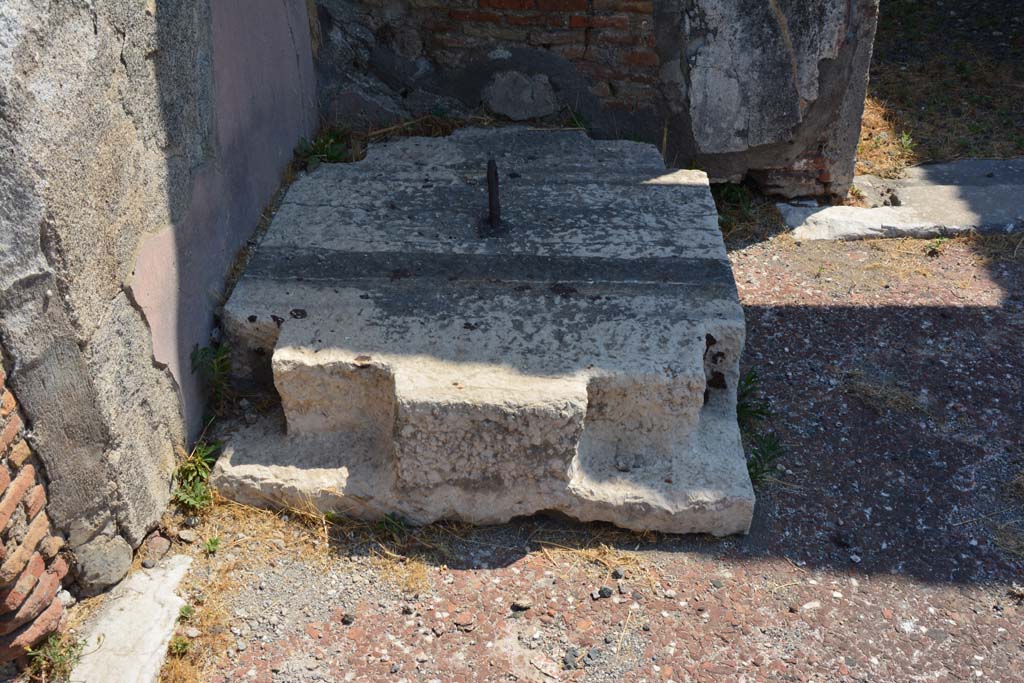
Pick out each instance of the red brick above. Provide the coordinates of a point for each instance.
(19, 454)
(41, 597)
(556, 38)
(547, 20)
(589, 21)
(10, 432)
(512, 35)
(59, 567)
(607, 37)
(49, 547)
(507, 4)
(35, 501)
(5, 478)
(15, 492)
(475, 15)
(562, 5)
(11, 598)
(631, 6)
(640, 58)
(15, 645)
(570, 52)
(7, 403)
(13, 565)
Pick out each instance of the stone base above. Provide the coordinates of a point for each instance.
(586, 362)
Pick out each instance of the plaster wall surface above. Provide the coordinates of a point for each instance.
(139, 140)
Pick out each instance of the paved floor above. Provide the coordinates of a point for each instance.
(885, 549)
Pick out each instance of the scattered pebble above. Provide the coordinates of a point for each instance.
(521, 604)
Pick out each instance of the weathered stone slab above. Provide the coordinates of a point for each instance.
(982, 195)
(126, 642)
(587, 362)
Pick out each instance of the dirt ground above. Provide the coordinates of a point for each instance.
(947, 82)
(884, 548)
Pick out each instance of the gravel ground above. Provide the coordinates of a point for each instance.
(884, 548)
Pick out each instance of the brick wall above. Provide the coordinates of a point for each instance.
(611, 42)
(31, 568)
(768, 91)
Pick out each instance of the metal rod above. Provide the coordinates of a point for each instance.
(493, 201)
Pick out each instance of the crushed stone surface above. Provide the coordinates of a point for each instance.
(884, 548)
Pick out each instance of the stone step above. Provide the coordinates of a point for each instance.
(587, 362)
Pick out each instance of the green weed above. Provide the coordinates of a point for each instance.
(193, 474)
(935, 248)
(179, 646)
(211, 545)
(765, 450)
(54, 659)
(907, 142)
(193, 496)
(751, 409)
(186, 612)
(329, 146)
(213, 364)
(394, 527)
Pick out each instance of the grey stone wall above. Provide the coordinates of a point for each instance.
(139, 140)
(767, 89)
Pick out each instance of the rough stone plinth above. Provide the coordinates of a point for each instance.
(586, 363)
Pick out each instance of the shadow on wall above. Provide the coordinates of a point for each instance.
(251, 103)
(139, 143)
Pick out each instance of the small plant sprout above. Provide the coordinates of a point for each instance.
(765, 450)
(751, 409)
(212, 545)
(906, 142)
(394, 527)
(193, 474)
(935, 248)
(213, 364)
(329, 146)
(179, 646)
(186, 612)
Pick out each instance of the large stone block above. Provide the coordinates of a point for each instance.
(585, 362)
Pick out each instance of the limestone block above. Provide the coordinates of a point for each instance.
(586, 362)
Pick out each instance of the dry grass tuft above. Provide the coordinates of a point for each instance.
(599, 555)
(211, 618)
(884, 149)
(1010, 539)
(881, 394)
(409, 572)
(993, 248)
(1017, 486)
(926, 104)
(745, 215)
